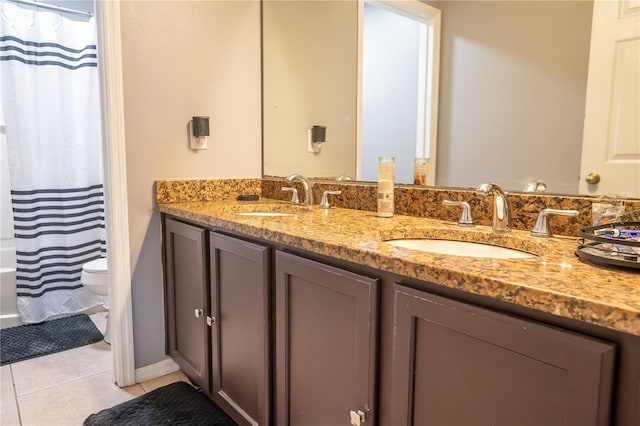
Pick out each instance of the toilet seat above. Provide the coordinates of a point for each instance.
(97, 266)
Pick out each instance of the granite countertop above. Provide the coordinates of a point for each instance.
(554, 281)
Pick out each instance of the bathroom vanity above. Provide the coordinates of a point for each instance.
(310, 317)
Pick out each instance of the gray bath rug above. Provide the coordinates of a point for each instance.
(34, 340)
(175, 404)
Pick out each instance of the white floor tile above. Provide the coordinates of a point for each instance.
(62, 367)
(8, 405)
(100, 320)
(158, 382)
(71, 403)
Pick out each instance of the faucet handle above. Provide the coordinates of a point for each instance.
(542, 228)
(294, 196)
(324, 202)
(466, 219)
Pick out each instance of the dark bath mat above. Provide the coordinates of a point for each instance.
(175, 404)
(34, 340)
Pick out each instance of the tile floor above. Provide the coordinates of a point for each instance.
(64, 388)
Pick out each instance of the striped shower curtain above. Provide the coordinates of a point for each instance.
(50, 97)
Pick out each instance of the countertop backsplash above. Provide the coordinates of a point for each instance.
(427, 202)
(409, 200)
(182, 191)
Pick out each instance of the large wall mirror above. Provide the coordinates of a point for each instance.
(511, 93)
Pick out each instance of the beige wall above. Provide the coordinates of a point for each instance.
(512, 92)
(181, 59)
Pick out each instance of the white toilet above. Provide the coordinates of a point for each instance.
(94, 278)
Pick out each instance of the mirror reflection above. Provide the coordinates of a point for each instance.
(511, 93)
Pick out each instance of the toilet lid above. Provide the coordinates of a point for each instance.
(98, 266)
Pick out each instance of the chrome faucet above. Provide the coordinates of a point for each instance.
(307, 184)
(344, 176)
(501, 218)
(536, 186)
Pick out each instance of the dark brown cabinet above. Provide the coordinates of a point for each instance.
(275, 338)
(326, 334)
(240, 320)
(186, 299)
(217, 297)
(457, 364)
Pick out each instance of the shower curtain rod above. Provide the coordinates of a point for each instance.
(52, 7)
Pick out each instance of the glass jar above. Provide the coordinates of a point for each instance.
(386, 182)
(421, 168)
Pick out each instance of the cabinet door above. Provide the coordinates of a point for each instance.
(326, 325)
(186, 300)
(240, 332)
(457, 364)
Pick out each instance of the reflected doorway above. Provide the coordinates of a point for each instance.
(398, 64)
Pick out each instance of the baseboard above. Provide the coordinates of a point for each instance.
(158, 369)
(10, 320)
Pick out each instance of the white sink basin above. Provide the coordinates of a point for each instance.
(460, 248)
(265, 214)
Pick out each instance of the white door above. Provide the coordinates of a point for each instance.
(611, 144)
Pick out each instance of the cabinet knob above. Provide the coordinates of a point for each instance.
(198, 312)
(592, 178)
(211, 321)
(357, 417)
